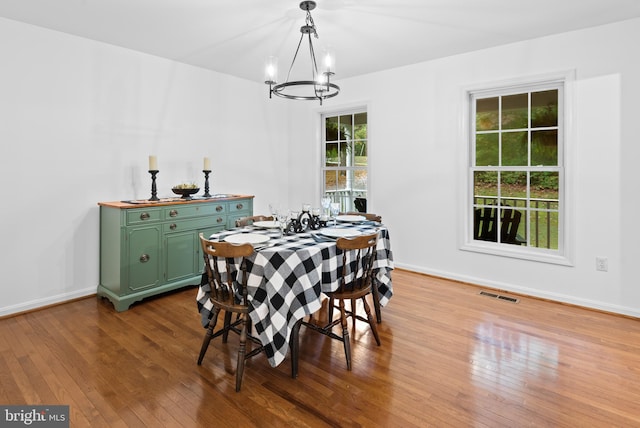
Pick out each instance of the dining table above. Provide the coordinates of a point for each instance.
(288, 274)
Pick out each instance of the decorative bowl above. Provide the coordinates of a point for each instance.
(186, 193)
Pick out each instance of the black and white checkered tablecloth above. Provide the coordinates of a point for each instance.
(286, 280)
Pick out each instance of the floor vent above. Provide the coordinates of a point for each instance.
(499, 296)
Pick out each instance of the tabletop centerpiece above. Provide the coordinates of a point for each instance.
(185, 190)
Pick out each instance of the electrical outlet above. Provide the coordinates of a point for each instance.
(602, 264)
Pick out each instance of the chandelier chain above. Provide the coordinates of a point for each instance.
(311, 24)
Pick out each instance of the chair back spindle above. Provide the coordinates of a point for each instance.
(485, 224)
(228, 284)
(357, 273)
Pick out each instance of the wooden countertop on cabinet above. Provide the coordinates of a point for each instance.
(170, 201)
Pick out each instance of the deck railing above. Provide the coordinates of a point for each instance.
(541, 215)
(346, 198)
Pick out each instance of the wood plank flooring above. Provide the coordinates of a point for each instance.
(449, 357)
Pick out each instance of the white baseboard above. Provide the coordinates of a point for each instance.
(556, 297)
(46, 301)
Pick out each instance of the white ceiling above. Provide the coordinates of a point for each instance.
(235, 36)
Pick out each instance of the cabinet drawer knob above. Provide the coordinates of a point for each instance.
(173, 226)
(239, 207)
(173, 213)
(219, 208)
(144, 216)
(144, 258)
(219, 220)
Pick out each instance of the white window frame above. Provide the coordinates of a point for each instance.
(323, 139)
(564, 81)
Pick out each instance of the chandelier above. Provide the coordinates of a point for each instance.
(320, 86)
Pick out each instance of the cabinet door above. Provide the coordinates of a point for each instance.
(181, 255)
(143, 258)
(238, 209)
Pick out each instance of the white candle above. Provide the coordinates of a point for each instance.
(153, 163)
(271, 70)
(207, 164)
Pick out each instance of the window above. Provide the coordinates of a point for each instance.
(516, 168)
(344, 160)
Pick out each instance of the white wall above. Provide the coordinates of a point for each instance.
(78, 119)
(418, 154)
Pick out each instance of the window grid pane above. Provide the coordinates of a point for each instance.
(516, 170)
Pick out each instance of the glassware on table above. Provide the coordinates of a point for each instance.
(306, 208)
(273, 210)
(335, 210)
(326, 203)
(281, 217)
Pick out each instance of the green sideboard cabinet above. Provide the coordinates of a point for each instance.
(150, 248)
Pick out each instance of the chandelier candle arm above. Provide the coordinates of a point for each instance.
(320, 86)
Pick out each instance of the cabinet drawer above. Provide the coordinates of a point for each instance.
(196, 223)
(242, 205)
(143, 215)
(185, 211)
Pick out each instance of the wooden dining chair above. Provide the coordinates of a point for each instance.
(368, 216)
(376, 298)
(248, 221)
(355, 281)
(228, 294)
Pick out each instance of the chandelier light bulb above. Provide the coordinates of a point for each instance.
(329, 61)
(271, 70)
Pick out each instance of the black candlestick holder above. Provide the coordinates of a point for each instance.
(293, 227)
(154, 192)
(314, 222)
(206, 183)
(304, 220)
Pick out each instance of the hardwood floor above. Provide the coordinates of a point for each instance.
(449, 357)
